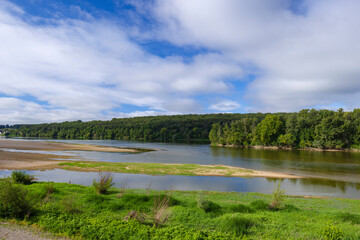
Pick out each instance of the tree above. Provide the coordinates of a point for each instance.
(268, 130)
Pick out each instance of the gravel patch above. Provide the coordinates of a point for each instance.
(16, 232)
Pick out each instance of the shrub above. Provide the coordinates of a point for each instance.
(234, 223)
(21, 177)
(241, 208)
(102, 186)
(278, 198)
(207, 205)
(331, 232)
(14, 200)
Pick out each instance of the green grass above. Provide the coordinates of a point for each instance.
(154, 168)
(74, 210)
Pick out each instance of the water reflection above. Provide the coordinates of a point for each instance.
(309, 187)
(338, 166)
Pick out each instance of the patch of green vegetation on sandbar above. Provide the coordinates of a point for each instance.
(77, 211)
(153, 168)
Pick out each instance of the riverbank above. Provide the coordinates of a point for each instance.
(74, 210)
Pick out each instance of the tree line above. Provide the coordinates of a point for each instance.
(323, 129)
(307, 128)
(190, 127)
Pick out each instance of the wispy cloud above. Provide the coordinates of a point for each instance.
(225, 106)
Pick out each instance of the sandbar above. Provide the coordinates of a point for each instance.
(58, 146)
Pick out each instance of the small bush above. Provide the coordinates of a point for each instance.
(234, 224)
(331, 232)
(14, 200)
(21, 177)
(259, 205)
(241, 208)
(102, 186)
(278, 198)
(207, 205)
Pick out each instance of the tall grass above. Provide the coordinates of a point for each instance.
(278, 198)
(105, 182)
(160, 214)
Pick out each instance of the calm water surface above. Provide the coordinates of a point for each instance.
(340, 171)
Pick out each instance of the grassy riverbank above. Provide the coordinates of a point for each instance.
(78, 211)
(170, 169)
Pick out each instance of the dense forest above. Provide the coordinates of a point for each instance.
(155, 128)
(307, 128)
(323, 129)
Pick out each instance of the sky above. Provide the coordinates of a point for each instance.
(63, 60)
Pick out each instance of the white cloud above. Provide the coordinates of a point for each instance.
(304, 60)
(225, 106)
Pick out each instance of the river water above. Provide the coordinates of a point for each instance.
(329, 173)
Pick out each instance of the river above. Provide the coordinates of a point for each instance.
(335, 174)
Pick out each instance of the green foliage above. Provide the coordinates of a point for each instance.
(102, 216)
(105, 182)
(268, 130)
(14, 200)
(323, 129)
(158, 128)
(21, 177)
(332, 232)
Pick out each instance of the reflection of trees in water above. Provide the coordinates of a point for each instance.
(343, 186)
(295, 160)
(275, 180)
(290, 155)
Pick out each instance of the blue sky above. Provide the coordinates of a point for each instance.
(74, 59)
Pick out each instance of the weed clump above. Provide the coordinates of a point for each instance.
(278, 198)
(21, 177)
(160, 213)
(103, 185)
(14, 200)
